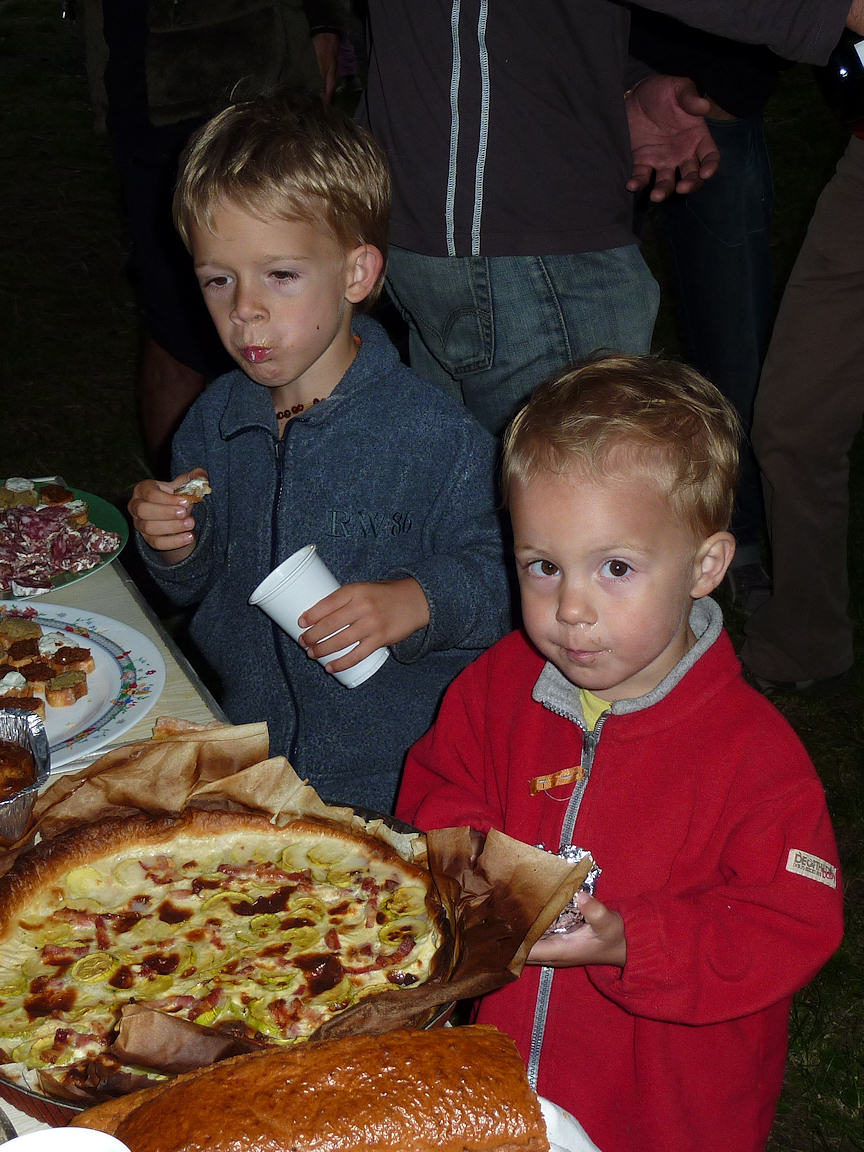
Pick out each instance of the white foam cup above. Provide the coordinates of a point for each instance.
(66, 1140)
(297, 584)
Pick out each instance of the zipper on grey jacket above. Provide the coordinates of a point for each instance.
(291, 751)
(544, 990)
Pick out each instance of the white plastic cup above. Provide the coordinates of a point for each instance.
(297, 584)
(66, 1140)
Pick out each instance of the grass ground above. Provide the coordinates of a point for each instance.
(68, 406)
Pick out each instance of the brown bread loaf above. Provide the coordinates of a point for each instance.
(441, 1090)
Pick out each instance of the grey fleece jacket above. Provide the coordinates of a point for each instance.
(389, 478)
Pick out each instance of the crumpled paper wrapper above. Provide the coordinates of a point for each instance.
(498, 902)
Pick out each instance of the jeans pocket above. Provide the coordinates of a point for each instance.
(448, 300)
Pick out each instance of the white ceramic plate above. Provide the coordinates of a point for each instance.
(126, 683)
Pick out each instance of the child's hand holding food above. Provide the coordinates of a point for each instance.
(160, 511)
(600, 940)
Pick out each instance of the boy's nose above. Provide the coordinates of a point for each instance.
(247, 310)
(574, 606)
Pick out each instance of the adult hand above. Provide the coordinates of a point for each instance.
(372, 614)
(600, 940)
(326, 45)
(668, 133)
(162, 518)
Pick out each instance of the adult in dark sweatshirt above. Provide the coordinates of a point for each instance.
(512, 246)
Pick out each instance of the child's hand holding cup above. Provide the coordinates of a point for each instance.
(295, 586)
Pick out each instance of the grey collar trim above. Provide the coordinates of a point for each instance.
(554, 691)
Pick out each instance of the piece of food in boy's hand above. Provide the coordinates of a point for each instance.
(194, 490)
(570, 916)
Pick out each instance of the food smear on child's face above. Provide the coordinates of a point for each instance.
(606, 573)
(257, 353)
(276, 292)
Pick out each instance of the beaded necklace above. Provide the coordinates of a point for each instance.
(296, 409)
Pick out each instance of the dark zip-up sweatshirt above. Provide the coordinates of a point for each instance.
(504, 121)
(389, 478)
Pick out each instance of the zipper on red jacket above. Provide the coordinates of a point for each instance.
(544, 989)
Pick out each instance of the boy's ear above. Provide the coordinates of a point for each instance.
(364, 265)
(713, 557)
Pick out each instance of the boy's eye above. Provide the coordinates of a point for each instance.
(616, 568)
(215, 281)
(543, 568)
(284, 274)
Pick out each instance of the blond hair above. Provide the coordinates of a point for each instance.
(288, 156)
(621, 414)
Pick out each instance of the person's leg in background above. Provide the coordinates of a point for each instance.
(180, 348)
(808, 412)
(718, 244)
(489, 329)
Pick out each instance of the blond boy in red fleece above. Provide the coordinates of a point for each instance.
(618, 720)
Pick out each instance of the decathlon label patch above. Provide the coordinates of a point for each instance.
(803, 864)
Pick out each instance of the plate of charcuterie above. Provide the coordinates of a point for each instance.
(51, 536)
(125, 676)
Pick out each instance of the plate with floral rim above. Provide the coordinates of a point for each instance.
(127, 680)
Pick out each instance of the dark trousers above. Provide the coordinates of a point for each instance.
(718, 245)
(808, 412)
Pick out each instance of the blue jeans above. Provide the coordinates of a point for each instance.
(718, 243)
(489, 329)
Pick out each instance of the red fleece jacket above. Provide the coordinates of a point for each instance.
(709, 823)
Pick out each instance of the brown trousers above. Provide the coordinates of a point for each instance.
(808, 411)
